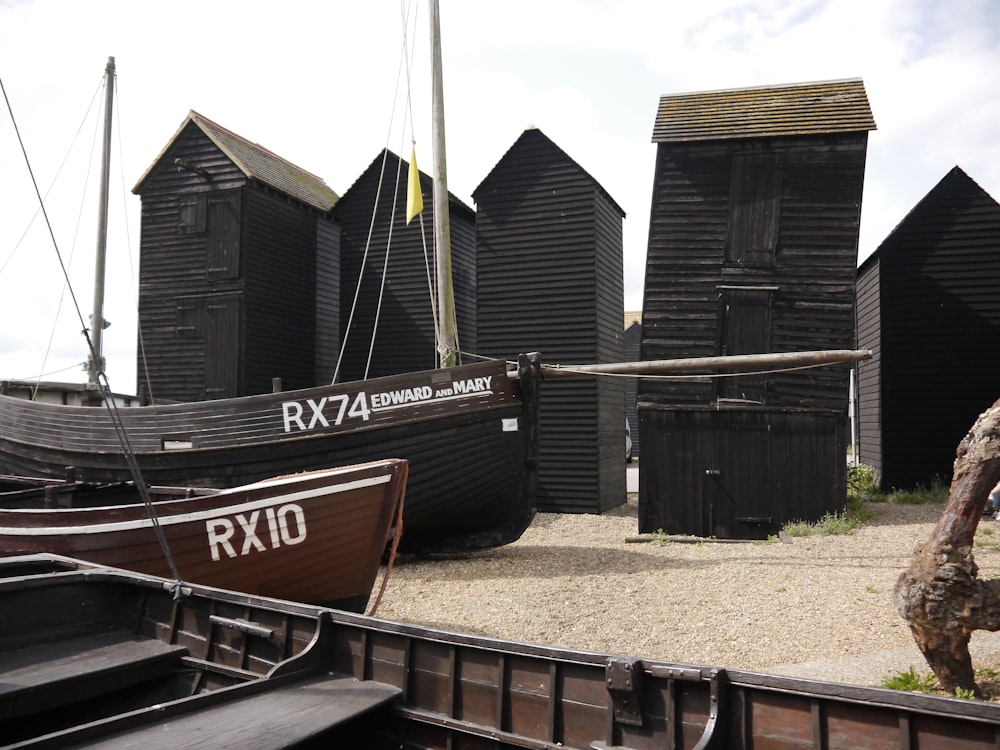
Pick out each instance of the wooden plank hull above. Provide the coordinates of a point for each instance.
(314, 537)
(469, 434)
(392, 684)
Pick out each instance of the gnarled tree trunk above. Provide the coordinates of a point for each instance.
(939, 595)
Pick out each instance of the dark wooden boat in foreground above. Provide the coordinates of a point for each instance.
(469, 433)
(315, 537)
(116, 660)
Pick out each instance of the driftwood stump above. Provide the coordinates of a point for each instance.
(939, 595)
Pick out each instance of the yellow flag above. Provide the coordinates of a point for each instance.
(414, 200)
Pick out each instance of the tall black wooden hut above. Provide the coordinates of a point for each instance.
(929, 309)
(549, 241)
(238, 269)
(753, 242)
(372, 218)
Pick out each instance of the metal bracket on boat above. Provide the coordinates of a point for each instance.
(624, 686)
(243, 626)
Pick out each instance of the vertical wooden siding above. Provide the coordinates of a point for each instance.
(404, 341)
(228, 270)
(939, 317)
(868, 401)
(811, 280)
(174, 282)
(752, 248)
(327, 299)
(633, 334)
(729, 475)
(550, 280)
(280, 297)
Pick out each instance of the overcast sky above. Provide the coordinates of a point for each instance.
(316, 83)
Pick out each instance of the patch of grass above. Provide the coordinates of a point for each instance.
(831, 524)
(781, 590)
(862, 484)
(659, 537)
(936, 493)
(987, 678)
(871, 589)
(913, 682)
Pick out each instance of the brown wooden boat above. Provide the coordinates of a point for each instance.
(469, 434)
(117, 660)
(315, 537)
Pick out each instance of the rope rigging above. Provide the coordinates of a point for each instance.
(102, 382)
(404, 69)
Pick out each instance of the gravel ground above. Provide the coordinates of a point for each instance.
(816, 606)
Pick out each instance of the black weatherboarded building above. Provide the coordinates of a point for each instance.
(550, 267)
(752, 248)
(929, 309)
(239, 266)
(377, 244)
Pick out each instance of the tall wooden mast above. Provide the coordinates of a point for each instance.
(95, 364)
(447, 324)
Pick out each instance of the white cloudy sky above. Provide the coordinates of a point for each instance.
(316, 82)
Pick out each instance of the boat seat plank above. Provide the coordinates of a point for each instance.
(275, 718)
(43, 676)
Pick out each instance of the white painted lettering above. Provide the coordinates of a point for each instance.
(272, 526)
(220, 531)
(299, 517)
(292, 411)
(249, 526)
(317, 413)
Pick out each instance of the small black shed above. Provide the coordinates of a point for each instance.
(753, 240)
(550, 279)
(929, 309)
(238, 269)
(372, 219)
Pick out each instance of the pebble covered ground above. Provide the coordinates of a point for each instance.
(585, 582)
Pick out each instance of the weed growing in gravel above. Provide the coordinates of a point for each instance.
(862, 484)
(911, 681)
(832, 524)
(936, 493)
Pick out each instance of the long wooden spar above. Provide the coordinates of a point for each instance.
(701, 364)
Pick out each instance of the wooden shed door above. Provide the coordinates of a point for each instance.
(746, 322)
(222, 344)
(736, 495)
(214, 321)
(754, 209)
(223, 256)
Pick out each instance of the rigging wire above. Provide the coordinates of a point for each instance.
(102, 378)
(405, 67)
(76, 233)
(371, 224)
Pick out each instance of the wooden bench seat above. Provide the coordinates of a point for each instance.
(278, 717)
(43, 676)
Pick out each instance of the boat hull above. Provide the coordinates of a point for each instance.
(469, 434)
(314, 537)
(358, 682)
